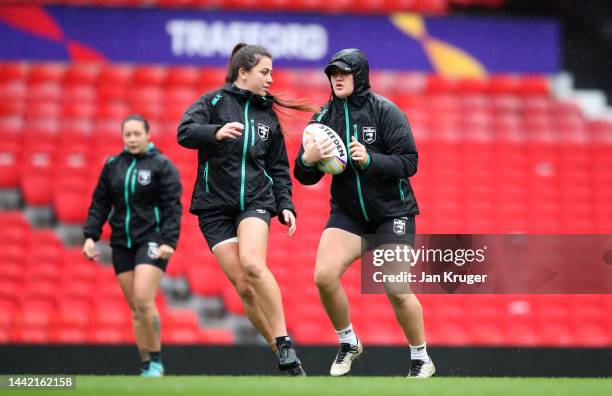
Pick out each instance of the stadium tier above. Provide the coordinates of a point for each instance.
(358, 6)
(59, 122)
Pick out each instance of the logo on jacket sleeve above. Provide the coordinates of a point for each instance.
(399, 226)
(263, 131)
(144, 176)
(369, 134)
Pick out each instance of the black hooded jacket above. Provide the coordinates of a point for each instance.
(250, 172)
(382, 189)
(144, 193)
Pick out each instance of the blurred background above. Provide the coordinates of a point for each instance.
(508, 102)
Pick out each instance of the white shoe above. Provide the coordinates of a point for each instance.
(421, 369)
(345, 357)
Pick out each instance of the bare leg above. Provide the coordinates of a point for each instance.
(338, 249)
(253, 237)
(229, 260)
(126, 281)
(146, 282)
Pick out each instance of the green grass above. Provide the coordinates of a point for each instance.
(354, 386)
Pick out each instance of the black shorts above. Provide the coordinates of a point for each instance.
(125, 259)
(222, 226)
(390, 230)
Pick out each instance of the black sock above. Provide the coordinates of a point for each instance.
(155, 356)
(145, 365)
(284, 340)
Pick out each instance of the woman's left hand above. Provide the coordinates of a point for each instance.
(359, 153)
(164, 252)
(289, 221)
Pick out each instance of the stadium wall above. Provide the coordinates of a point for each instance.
(259, 360)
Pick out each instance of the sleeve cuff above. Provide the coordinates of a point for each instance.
(306, 164)
(367, 164)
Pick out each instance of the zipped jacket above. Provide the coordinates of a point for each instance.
(249, 172)
(380, 189)
(142, 194)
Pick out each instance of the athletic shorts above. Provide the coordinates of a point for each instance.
(390, 230)
(125, 259)
(222, 226)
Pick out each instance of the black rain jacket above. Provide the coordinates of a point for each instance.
(382, 189)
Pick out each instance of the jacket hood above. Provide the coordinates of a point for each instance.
(264, 101)
(355, 61)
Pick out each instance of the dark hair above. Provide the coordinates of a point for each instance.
(244, 56)
(136, 117)
(247, 56)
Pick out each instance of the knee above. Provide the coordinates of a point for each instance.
(253, 269)
(142, 305)
(325, 279)
(245, 291)
(133, 310)
(401, 300)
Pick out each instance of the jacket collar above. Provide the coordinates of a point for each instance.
(151, 149)
(263, 101)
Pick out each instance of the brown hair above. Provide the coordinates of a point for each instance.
(136, 117)
(247, 56)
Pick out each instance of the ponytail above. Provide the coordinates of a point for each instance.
(246, 56)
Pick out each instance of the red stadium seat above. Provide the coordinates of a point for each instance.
(232, 301)
(217, 336)
(14, 71)
(68, 335)
(44, 72)
(74, 313)
(8, 312)
(148, 76)
(206, 279)
(113, 314)
(82, 73)
(179, 76)
(106, 335)
(9, 165)
(30, 335)
(35, 313)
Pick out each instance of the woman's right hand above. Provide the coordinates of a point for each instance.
(231, 130)
(316, 151)
(89, 249)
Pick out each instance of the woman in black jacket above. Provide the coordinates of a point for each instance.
(372, 196)
(141, 190)
(243, 181)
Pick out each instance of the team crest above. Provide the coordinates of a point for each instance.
(399, 226)
(153, 250)
(369, 134)
(144, 176)
(263, 131)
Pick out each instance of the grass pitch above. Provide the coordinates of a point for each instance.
(353, 386)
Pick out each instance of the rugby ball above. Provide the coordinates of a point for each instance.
(333, 165)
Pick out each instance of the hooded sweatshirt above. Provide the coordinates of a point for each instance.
(380, 189)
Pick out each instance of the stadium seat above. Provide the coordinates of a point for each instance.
(106, 335)
(537, 165)
(218, 336)
(8, 312)
(9, 165)
(206, 279)
(30, 335)
(35, 313)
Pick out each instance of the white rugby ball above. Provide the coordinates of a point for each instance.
(333, 165)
